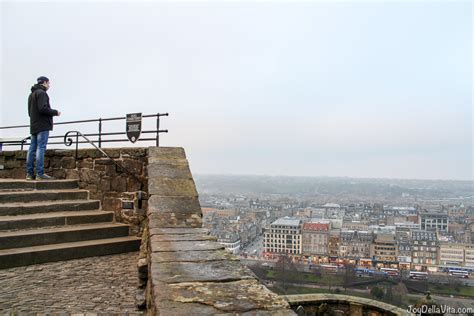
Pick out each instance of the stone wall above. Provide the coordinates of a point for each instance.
(338, 304)
(189, 273)
(97, 174)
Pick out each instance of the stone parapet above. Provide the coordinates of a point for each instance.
(338, 304)
(100, 176)
(189, 272)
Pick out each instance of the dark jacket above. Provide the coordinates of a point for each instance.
(39, 110)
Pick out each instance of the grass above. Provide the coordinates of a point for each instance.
(450, 290)
(305, 277)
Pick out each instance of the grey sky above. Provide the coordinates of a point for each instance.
(363, 89)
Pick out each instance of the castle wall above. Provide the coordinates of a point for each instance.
(97, 174)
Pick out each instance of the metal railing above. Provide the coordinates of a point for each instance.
(99, 135)
(68, 142)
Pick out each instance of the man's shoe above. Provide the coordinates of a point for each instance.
(30, 177)
(44, 177)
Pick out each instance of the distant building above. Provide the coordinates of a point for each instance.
(384, 251)
(434, 220)
(283, 236)
(407, 224)
(456, 254)
(315, 238)
(334, 243)
(403, 238)
(355, 245)
(230, 240)
(355, 225)
(424, 250)
(469, 255)
(451, 254)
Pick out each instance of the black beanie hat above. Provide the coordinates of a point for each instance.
(42, 79)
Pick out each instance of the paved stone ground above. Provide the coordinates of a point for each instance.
(97, 285)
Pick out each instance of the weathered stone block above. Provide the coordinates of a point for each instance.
(21, 154)
(107, 170)
(178, 231)
(104, 185)
(96, 195)
(11, 164)
(88, 176)
(192, 256)
(133, 152)
(119, 184)
(72, 174)
(174, 204)
(172, 187)
(133, 166)
(86, 163)
(64, 153)
(88, 153)
(113, 152)
(111, 204)
(186, 237)
(8, 153)
(59, 173)
(103, 161)
(235, 297)
(172, 220)
(169, 170)
(68, 163)
(165, 153)
(158, 245)
(134, 185)
(211, 271)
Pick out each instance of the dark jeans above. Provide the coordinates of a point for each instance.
(37, 150)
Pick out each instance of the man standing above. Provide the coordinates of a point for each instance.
(41, 122)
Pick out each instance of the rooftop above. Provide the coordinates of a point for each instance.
(287, 221)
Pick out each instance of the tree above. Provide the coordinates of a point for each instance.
(349, 276)
(399, 293)
(377, 292)
(283, 266)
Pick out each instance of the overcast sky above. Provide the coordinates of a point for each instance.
(360, 89)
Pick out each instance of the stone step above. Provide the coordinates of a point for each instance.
(17, 184)
(43, 195)
(36, 237)
(48, 206)
(54, 219)
(67, 251)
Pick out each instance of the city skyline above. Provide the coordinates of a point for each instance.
(344, 89)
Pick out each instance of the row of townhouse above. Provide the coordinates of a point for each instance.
(402, 248)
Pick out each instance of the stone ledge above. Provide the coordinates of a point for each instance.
(165, 246)
(187, 237)
(174, 204)
(172, 220)
(209, 271)
(172, 187)
(178, 231)
(189, 272)
(339, 298)
(176, 170)
(243, 296)
(192, 256)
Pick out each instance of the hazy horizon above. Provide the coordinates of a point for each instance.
(377, 89)
(325, 176)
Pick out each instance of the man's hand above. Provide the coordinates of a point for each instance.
(59, 113)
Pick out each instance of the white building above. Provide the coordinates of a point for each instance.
(283, 236)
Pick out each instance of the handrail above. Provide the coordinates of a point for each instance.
(100, 133)
(69, 141)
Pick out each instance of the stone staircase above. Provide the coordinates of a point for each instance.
(46, 221)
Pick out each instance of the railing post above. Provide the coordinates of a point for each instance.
(158, 130)
(77, 143)
(100, 132)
